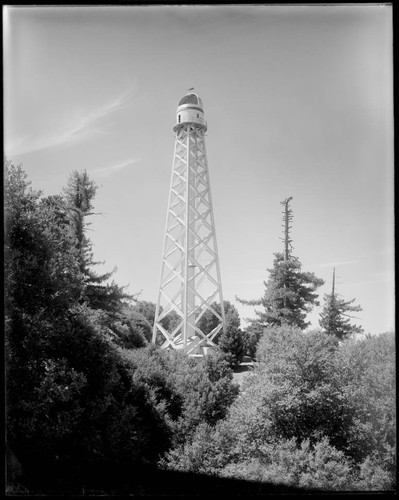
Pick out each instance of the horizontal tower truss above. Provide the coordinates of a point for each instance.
(190, 275)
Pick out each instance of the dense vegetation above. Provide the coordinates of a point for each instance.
(90, 399)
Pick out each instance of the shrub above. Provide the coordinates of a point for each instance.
(186, 391)
(365, 371)
(320, 466)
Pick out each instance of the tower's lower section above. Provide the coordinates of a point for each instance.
(189, 313)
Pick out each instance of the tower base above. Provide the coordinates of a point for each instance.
(195, 347)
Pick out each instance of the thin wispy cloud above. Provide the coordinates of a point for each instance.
(111, 169)
(82, 128)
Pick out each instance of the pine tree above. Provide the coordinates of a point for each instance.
(231, 340)
(78, 199)
(334, 318)
(290, 292)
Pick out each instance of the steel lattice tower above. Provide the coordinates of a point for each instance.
(190, 275)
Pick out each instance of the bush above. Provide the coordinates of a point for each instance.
(374, 476)
(320, 466)
(231, 339)
(294, 380)
(77, 407)
(200, 454)
(365, 371)
(302, 417)
(186, 391)
(131, 329)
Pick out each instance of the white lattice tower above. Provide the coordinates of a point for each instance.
(190, 281)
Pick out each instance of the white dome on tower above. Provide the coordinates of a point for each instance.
(190, 110)
(193, 99)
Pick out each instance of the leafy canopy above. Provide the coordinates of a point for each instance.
(231, 340)
(289, 295)
(334, 318)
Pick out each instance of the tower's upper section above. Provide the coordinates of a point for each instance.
(190, 110)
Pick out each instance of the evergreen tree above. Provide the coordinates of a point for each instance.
(78, 203)
(231, 339)
(289, 295)
(79, 194)
(146, 309)
(290, 292)
(334, 318)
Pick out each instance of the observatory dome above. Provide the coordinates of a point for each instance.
(190, 110)
(191, 99)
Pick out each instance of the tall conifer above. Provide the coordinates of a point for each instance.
(290, 292)
(334, 318)
(99, 293)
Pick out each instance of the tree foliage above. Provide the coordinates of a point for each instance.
(146, 309)
(365, 371)
(40, 267)
(231, 340)
(290, 392)
(77, 202)
(289, 296)
(290, 292)
(72, 404)
(295, 421)
(334, 318)
(186, 391)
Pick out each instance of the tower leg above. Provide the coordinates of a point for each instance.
(190, 302)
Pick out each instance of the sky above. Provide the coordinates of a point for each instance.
(298, 101)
